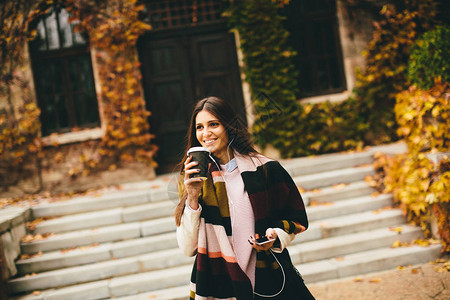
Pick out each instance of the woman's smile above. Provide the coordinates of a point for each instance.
(211, 134)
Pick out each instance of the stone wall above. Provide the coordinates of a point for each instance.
(12, 230)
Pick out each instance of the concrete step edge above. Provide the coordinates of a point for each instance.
(327, 162)
(100, 270)
(85, 237)
(351, 223)
(101, 218)
(352, 243)
(330, 178)
(353, 205)
(367, 262)
(90, 254)
(137, 286)
(338, 192)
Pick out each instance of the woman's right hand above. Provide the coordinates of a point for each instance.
(193, 185)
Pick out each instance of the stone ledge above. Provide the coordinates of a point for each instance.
(12, 230)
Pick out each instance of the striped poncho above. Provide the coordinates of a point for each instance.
(276, 202)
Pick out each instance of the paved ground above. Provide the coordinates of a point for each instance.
(421, 282)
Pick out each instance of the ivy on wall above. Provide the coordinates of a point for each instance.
(386, 61)
(19, 121)
(113, 28)
(419, 184)
(268, 69)
(368, 118)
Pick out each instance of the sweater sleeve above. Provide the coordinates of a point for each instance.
(187, 232)
(284, 238)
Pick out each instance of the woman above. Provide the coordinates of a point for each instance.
(245, 196)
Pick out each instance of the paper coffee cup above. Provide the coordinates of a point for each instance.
(200, 155)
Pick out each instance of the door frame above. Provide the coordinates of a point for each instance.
(238, 101)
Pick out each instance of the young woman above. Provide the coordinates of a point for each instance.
(245, 196)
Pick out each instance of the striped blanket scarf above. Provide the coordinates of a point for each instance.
(276, 202)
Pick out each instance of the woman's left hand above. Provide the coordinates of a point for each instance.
(270, 234)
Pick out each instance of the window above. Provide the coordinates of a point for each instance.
(176, 13)
(63, 75)
(314, 36)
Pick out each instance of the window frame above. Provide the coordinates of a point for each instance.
(64, 55)
(305, 20)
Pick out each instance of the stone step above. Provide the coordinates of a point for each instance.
(113, 266)
(99, 252)
(354, 205)
(164, 186)
(162, 284)
(128, 214)
(100, 235)
(326, 162)
(351, 243)
(367, 262)
(175, 293)
(330, 178)
(351, 223)
(338, 192)
(164, 224)
(102, 201)
(101, 270)
(106, 217)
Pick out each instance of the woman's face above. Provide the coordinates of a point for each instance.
(212, 135)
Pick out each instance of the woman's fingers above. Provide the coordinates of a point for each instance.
(271, 233)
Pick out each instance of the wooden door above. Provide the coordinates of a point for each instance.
(179, 68)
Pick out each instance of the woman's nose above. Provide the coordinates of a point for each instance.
(206, 132)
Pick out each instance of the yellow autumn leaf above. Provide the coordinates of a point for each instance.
(396, 229)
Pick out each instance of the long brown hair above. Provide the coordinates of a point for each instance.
(237, 133)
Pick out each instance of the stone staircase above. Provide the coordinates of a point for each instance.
(122, 244)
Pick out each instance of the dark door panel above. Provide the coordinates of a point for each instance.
(179, 68)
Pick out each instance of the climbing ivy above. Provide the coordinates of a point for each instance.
(368, 118)
(386, 61)
(420, 184)
(19, 121)
(113, 28)
(268, 69)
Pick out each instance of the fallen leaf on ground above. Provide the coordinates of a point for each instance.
(38, 237)
(375, 280)
(396, 229)
(415, 271)
(358, 279)
(36, 293)
(401, 267)
(317, 203)
(370, 181)
(398, 244)
(422, 242)
(377, 211)
(340, 258)
(28, 256)
(339, 186)
(32, 225)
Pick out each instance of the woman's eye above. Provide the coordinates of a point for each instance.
(215, 124)
(199, 127)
